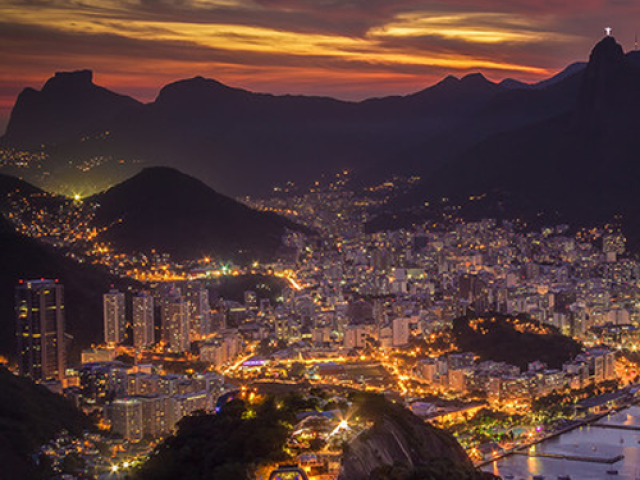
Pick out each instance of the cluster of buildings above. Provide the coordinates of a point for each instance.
(351, 295)
(137, 401)
(140, 401)
(375, 293)
(502, 383)
(357, 311)
(40, 330)
(183, 310)
(434, 276)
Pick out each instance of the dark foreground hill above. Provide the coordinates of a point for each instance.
(401, 446)
(230, 444)
(24, 258)
(238, 440)
(30, 415)
(165, 210)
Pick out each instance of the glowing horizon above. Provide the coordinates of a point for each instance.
(346, 49)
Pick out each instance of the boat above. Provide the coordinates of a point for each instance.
(612, 472)
(537, 477)
(564, 477)
(508, 476)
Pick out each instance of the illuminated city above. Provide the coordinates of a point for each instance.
(351, 311)
(383, 282)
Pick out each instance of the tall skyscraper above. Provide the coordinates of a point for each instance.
(125, 415)
(143, 325)
(40, 329)
(175, 325)
(400, 329)
(199, 311)
(114, 317)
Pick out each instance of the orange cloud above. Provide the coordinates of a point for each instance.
(343, 48)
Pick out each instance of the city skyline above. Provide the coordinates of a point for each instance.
(340, 48)
(319, 240)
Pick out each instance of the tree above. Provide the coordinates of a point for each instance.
(72, 463)
(296, 370)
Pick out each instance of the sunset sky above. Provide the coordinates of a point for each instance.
(345, 48)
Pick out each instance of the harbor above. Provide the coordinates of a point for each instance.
(606, 449)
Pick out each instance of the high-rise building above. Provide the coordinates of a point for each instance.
(143, 325)
(114, 317)
(400, 328)
(158, 415)
(125, 415)
(176, 325)
(199, 311)
(40, 329)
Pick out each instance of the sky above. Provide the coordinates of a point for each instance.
(349, 49)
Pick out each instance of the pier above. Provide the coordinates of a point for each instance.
(634, 428)
(577, 458)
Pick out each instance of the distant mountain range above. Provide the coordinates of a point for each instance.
(579, 166)
(68, 106)
(241, 142)
(560, 150)
(572, 69)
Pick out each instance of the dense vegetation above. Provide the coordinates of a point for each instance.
(30, 415)
(563, 402)
(25, 258)
(233, 287)
(486, 426)
(517, 341)
(165, 210)
(242, 437)
(229, 445)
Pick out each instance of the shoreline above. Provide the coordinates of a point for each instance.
(519, 450)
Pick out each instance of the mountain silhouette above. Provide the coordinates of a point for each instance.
(68, 106)
(570, 70)
(579, 167)
(238, 141)
(520, 144)
(609, 92)
(165, 210)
